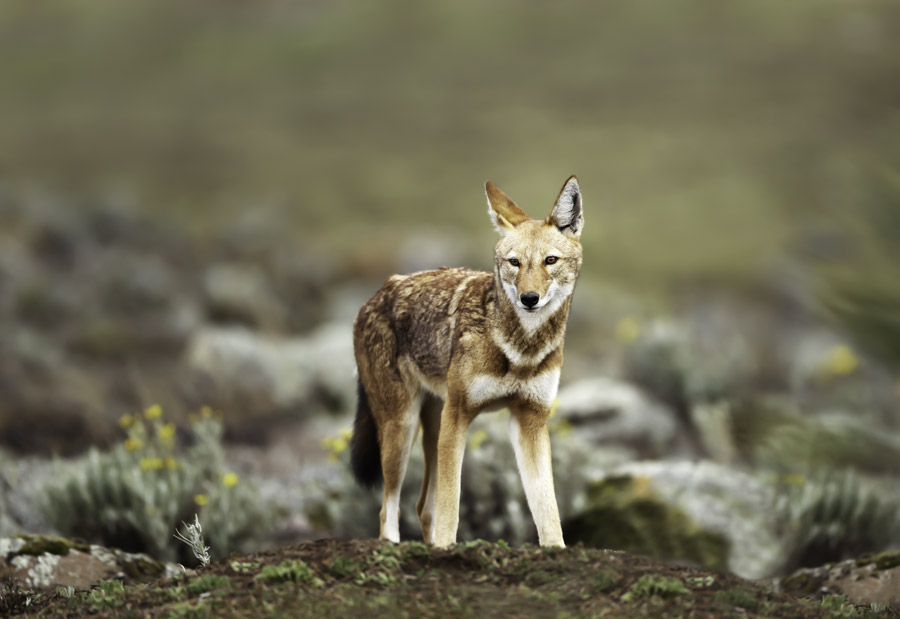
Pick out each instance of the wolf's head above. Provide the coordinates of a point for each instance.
(537, 261)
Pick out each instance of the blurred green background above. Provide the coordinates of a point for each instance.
(711, 139)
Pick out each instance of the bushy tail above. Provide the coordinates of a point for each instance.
(365, 453)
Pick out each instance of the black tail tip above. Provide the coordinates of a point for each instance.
(365, 453)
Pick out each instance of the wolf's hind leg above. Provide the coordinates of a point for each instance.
(396, 434)
(431, 426)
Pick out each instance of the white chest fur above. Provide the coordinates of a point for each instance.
(540, 389)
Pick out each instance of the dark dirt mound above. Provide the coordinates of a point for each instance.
(370, 578)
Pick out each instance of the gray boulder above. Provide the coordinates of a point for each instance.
(605, 411)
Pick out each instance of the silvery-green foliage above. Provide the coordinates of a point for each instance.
(135, 495)
(192, 535)
(834, 515)
(773, 435)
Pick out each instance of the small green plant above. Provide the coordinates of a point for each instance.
(136, 494)
(244, 567)
(208, 582)
(837, 607)
(701, 582)
(380, 579)
(67, 592)
(650, 585)
(342, 567)
(108, 594)
(290, 570)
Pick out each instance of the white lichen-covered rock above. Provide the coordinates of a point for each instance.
(47, 561)
(723, 500)
(36, 572)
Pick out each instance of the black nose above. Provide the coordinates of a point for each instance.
(530, 299)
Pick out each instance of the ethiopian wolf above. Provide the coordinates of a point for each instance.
(439, 347)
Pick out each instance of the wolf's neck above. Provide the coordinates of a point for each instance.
(526, 338)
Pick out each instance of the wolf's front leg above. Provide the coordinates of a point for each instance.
(531, 442)
(451, 445)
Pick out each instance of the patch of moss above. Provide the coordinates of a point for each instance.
(883, 560)
(36, 545)
(623, 514)
(142, 568)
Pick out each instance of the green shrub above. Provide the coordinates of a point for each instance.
(136, 495)
(290, 570)
(649, 585)
(208, 582)
(837, 607)
(108, 594)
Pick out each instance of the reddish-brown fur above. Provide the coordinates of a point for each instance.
(469, 339)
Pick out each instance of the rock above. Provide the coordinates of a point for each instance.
(623, 513)
(264, 374)
(871, 579)
(668, 507)
(242, 294)
(610, 412)
(46, 562)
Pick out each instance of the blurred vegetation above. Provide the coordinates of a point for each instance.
(136, 495)
(862, 292)
(709, 137)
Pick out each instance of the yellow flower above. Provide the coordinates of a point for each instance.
(201, 499)
(628, 329)
(126, 421)
(840, 361)
(336, 445)
(153, 412)
(171, 464)
(230, 479)
(563, 428)
(133, 444)
(151, 464)
(167, 432)
(478, 437)
(206, 412)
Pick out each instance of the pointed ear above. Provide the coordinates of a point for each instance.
(505, 214)
(566, 214)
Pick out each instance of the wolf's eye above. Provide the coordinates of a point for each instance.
(514, 261)
(550, 260)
